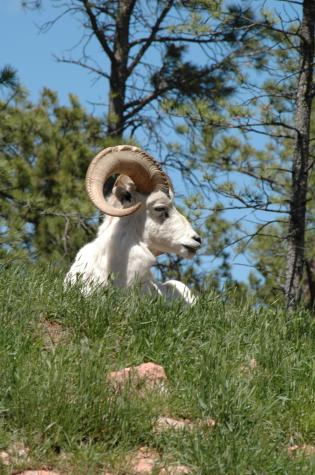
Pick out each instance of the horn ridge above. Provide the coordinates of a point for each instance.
(143, 169)
(154, 166)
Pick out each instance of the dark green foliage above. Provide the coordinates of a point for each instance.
(45, 151)
(184, 79)
(8, 77)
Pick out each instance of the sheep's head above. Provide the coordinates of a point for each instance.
(143, 189)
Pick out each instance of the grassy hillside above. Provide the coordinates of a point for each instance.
(251, 369)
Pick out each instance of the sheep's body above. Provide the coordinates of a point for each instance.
(116, 253)
(125, 248)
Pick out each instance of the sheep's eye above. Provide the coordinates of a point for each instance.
(163, 210)
(160, 209)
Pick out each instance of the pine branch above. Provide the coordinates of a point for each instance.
(98, 32)
(148, 41)
(78, 62)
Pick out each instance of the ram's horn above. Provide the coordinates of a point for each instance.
(144, 171)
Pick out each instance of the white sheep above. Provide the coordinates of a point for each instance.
(142, 222)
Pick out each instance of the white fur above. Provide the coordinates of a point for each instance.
(125, 248)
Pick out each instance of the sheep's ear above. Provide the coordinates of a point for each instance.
(123, 195)
(124, 189)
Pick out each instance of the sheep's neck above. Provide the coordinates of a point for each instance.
(124, 256)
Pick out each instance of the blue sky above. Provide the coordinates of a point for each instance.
(32, 53)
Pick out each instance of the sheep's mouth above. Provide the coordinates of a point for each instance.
(191, 249)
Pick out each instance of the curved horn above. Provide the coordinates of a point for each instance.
(145, 172)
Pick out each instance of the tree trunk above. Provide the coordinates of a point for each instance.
(300, 167)
(309, 285)
(119, 70)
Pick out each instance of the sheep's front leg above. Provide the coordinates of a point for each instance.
(174, 290)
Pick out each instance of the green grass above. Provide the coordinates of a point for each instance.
(57, 400)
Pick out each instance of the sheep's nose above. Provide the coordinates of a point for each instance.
(197, 238)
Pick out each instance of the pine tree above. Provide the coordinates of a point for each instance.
(148, 51)
(267, 186)
(45, 150)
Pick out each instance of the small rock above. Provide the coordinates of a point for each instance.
(144, 461)
(5, 458)
(176, 470)
(147, 461)
(304, 449)
(53, 333)
(165, 423)
(18, 449)
(252, 363)
(209, 422)
(38, 472)
(150, 374)
(14, 453)
(250, 366)
(119, 378)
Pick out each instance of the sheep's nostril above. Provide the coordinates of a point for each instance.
(197, 238)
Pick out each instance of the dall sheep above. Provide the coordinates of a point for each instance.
(142, 222)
